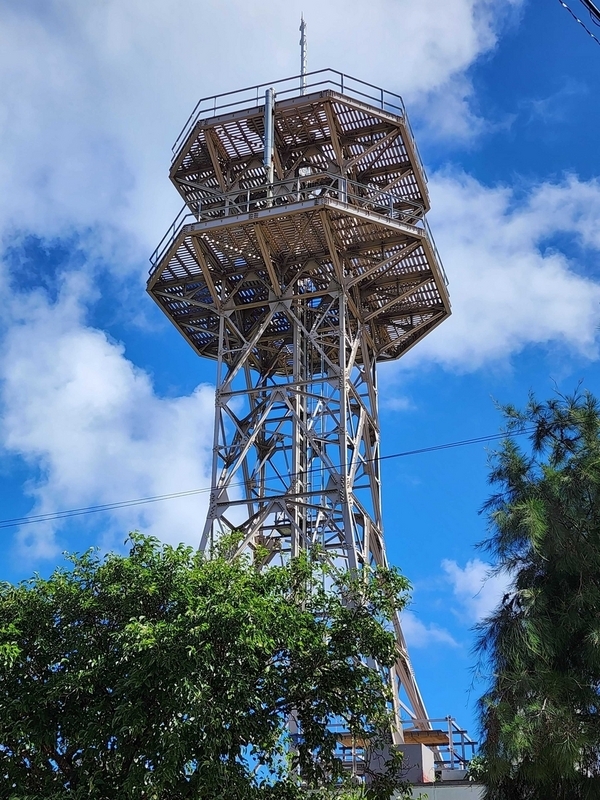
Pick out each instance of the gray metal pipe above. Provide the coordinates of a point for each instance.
(269, 140)
(269, 120)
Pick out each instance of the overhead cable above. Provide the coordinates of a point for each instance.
(593, 9)
(76, 512)
(581, 22)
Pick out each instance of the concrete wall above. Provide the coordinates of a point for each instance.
(417, 764)
(448, 791)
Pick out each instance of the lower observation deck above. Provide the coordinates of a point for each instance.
(245, 254)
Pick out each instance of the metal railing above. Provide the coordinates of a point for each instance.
(213, 204)
(460, 748)
(183, 218)
(308, 187)
(319, 80)
(436, 253)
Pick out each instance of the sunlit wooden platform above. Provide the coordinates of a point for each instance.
(431, 738)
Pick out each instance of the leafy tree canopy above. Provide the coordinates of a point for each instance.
(164, 675)
(540, 716)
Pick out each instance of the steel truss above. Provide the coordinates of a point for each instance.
(297, 286)
(296, 456)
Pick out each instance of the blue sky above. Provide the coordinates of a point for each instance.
(101, 401)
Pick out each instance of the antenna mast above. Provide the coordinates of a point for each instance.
(302, 55)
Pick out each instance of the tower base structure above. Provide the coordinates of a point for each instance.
(300, 261)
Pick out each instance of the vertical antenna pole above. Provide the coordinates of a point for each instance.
(269, 140)
(302, 55)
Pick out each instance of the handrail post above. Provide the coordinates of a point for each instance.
(343, 185)
(450, 742)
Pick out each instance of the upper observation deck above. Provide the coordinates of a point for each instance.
(291, 200)
(338, 125)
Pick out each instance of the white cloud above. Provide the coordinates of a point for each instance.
(392, 401)
(94, 93)
(508, 286)
(556, 107)
(89, 109)
(476, 589)
(448, 114)
(94, 429)
(418, 634)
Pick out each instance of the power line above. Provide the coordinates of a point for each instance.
(583, 25)
(594, 11)
(76, 512)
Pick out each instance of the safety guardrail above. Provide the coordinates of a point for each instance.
(214, 204)
(295, 86)
(460, 749)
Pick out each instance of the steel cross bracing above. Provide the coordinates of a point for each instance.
(297, 273)
(296, 457)
(303, 445)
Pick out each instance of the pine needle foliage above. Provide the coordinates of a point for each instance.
(164, 675)
(540, 716)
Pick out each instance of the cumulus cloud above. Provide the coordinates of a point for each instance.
(447, 114)
(476, 589)
(89, 110)
(418, 634)
(92, 427)
(510, 284)
(94, 93)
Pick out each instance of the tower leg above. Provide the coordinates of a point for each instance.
(296, 456)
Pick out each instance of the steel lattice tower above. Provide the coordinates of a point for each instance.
(301, 259)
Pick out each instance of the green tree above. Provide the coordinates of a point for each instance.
(540, 717)
(164, 675)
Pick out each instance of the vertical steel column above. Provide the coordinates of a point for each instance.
(299, 395)
(207, 539)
